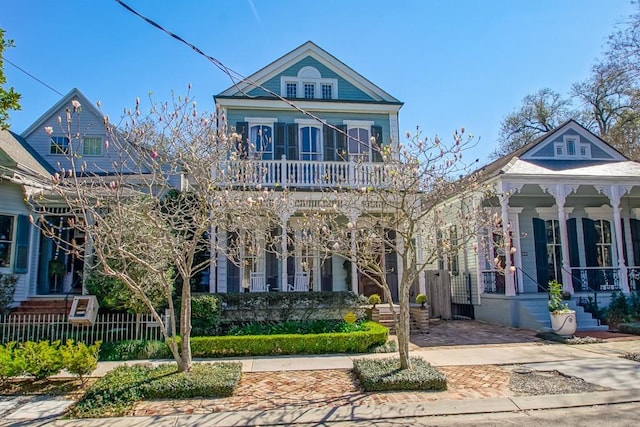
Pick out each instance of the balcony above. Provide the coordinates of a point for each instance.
(303, 174)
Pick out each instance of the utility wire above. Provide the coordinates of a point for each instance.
(32, 76)
(235, 76)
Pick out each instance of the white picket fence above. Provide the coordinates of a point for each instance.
(107, 328)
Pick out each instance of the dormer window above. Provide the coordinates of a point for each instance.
(571, 148)
(309, 84)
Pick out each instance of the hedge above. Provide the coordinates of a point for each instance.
(386, 375)
(266, 345)
(630, 328)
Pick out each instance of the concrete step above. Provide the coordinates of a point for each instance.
(539, 313)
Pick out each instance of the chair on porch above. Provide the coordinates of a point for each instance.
(257, 282)
(300, 282)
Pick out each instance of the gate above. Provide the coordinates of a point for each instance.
(461, 297)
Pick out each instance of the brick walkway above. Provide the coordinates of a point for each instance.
(296, 389)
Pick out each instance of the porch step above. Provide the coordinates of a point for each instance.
(534, 314)
(44, 306)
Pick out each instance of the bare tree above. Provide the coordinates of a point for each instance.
(156, 207)
(539, 113)
(399, 216)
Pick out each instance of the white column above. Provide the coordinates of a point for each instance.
(561, 198)
(617, 226)
(509, 282)
(615, 193)
(422, 283)
(213, 251)
(353, 218)
(284, 218)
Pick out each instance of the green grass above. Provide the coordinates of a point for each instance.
(386, 375)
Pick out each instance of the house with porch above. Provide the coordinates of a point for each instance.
(566, 208)
(307, 123)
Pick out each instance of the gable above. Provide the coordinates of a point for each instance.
(310, 63)
(572, 142)
(5, 160)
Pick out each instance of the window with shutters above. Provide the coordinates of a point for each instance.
(359, 144)
(603, 243)
(6, 239)
(310, 146)
(261, 137)
(554, 249)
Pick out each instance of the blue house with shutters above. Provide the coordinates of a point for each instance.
(570, 204)
(306, 122)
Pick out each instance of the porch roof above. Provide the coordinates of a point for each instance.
(623, 169)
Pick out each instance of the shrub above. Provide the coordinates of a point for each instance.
(8, 284)
(263, 345)
(374, 299)
(120, 389)
(310, 327)
(630, 328)
(12, 362)
(421, 299)
(618, 311)
(80, 359)
(205, 315)
(43, 359)
(134, 349)
(386, 375)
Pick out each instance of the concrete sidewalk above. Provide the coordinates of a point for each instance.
(596, 363)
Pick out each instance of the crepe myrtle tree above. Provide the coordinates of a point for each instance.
(403, 215)
(156, 206)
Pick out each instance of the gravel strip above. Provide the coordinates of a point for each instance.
(535, 383)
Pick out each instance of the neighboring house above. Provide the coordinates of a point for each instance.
(22, 171)
(304, 154)
(571, 203)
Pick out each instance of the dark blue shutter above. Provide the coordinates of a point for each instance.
(376, 132)
(292, 141)
(542, 257)
(326, 274)
(329, 143)
(21, 261)
(341, 143)
(242, 128)
(391, 265)
(590, 242)
(625, 255)
(233, 271)
(574, 255)
(279, 141)
(635, 241)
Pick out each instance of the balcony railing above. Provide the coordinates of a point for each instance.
(595, 279)
(303, 173)
(493, 282)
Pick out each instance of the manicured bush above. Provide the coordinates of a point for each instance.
(630, 328)
(43, 359)
(8, 283)
(12, 363)
(264, 345)
(134, 350)
(386, 375)
(80, 359)
(117, 392)
(205, 315)
(309, 327)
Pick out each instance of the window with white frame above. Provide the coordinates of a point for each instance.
(261, 137)
(309, 90)
(310, 84)
(310, 143)
(59, 145)
(554, 249)
(327, 91)
(292, 90)
(92, 146)
(572, 148)
(359, 141)
(6, 239)
(604, 246)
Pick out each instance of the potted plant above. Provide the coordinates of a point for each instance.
(373, 300)
(422, 300)
(563, 319)
(56, 269)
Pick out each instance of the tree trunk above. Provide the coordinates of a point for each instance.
(184, 365)
(402, 327)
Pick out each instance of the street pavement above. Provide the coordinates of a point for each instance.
(598, 364)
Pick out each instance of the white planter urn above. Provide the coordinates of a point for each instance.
(564, 323)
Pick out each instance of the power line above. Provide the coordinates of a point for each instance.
(33, 77)
(235, 76)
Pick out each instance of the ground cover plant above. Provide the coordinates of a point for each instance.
(635, 356)
(117, 392)
(551, 336)
(630, 328)
(387, 375)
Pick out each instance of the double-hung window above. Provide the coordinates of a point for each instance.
(604, 247)
(6, 239)
(359, 144)
(59, 145)
(310, 145)
(292, 89)
(554, 249)
(309, 90)
(92, 146)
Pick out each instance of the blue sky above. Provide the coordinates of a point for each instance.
(453, 63)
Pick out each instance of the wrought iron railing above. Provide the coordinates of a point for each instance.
(596, 279)
(633, 274)
(493, 282)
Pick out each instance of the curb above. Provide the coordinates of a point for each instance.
(322, 416)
